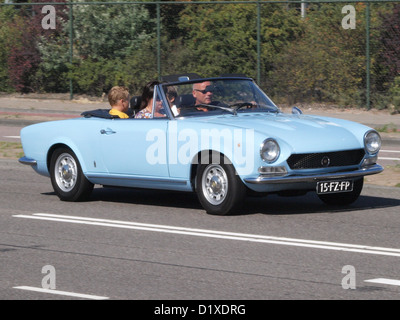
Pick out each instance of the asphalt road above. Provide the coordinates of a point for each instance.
(145, 244)
(10, 133)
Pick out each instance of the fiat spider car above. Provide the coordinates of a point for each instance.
(222, 138)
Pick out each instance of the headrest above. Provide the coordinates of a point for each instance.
(185, 100)
(98, 113)
(135, 103)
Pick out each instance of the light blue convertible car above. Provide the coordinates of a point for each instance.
(222, 138)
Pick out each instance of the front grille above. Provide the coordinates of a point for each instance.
(325, 159)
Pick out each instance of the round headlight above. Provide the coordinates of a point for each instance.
(269, 150)
(372, 142)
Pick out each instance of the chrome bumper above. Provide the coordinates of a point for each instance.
(262, 179)
(28, 161)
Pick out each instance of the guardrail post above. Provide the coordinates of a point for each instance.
(258, 42)
(71, 44)
(158, 40)
(368, 58)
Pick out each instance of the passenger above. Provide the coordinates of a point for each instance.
(171, 96)
(147, 103)
(118, 97)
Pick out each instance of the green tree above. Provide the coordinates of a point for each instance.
(110, 31)
(105, 38)
(327, 63)
(223, 37)
(10, 32)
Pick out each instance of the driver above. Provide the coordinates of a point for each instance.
(203, 93)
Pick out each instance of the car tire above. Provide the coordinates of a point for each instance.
(67, 178)
(344, 198)
(219, 189)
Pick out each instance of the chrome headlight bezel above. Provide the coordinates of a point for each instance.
(372, 142)
(269, 150)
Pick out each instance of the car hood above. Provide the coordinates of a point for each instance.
(304, 133)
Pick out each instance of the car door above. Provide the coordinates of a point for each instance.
(134, 147)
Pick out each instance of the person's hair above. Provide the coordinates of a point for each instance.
(148, 92)
(117, 93)
(197, 85)
(172, 92)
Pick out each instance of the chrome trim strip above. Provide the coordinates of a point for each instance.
(27, 161)
(137, 179)
(374, 169)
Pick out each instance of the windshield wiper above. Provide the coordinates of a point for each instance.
(254, 107)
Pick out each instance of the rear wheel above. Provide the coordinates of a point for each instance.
(219, 189)
(344, 198)
(67, 178)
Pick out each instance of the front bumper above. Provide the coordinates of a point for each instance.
(27, 161)
(263, 179)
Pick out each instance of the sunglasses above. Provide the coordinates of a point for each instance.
(204, 91)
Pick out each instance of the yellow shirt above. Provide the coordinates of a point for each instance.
(115, 112)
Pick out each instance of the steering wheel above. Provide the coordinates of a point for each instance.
(240, 105)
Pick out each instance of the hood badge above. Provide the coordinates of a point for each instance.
(325, 162)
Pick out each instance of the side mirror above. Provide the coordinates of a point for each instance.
(296, 110)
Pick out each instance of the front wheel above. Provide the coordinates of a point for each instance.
(219, 189)
(67, 178)
(344, 198)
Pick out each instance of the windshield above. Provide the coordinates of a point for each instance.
(217, 96)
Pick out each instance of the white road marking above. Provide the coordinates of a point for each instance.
(216, 234)
(395, 151)
(384, 281)
(389, 158)
(64, 293)
(12, 137)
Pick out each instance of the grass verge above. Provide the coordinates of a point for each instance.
(10, 150)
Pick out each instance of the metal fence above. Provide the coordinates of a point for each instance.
(341, 52)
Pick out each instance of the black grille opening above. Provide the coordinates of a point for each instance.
(326, 159)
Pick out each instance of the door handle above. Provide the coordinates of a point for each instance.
(107, 131)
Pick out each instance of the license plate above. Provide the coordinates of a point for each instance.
(324, 187)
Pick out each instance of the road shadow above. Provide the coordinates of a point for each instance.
(163, 198)
(269, 205)
(310, 203)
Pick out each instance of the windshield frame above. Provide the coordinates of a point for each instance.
(272, 107)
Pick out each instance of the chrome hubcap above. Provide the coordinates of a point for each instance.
(215, 184)
(65, 172)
